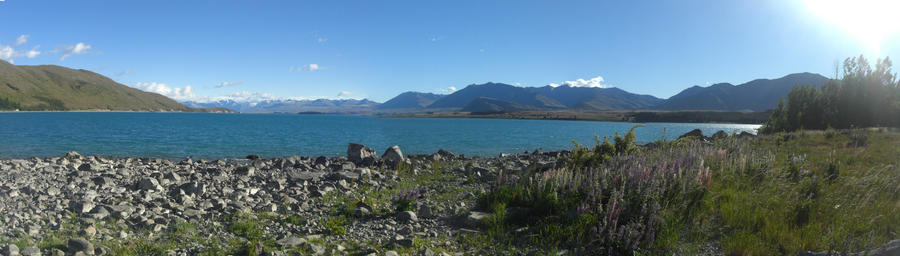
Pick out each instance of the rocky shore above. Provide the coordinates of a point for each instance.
(90, 205)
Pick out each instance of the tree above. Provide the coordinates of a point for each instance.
(863, 97)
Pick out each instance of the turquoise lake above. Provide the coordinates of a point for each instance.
(210, 136)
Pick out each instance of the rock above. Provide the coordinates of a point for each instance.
(82, 206)
(9, 250)
(245, 170)
(89, 231)
(317, 249)
(474, 219)
(30, 251)
(193, 188)
(696, 133)
(393, 154)
(358, 152)
(76, 245)
(99, 213)
(425, 211)
(306, 176)
(290, 241)
(73, 155)
(87, 167)
(407, 216)
(745, 134)
(445, 153)
(148, 184)
(253, 157)
(348, 176)
(426, 252)
(391, 253)
(720, 135)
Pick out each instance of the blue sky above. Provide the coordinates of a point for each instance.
(378, 49)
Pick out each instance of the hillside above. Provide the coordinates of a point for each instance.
(756, 95)
(499, 91)
(484, 104)
(410, 100)
(50, 87)
(588, 98)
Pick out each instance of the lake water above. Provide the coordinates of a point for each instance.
(178, 135)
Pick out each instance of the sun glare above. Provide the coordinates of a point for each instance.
(870, 21)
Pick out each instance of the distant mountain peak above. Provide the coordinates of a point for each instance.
(755, 95)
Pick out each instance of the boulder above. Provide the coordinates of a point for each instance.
(474, 219)
(358, 152)
(82, 206)
(9, 250)
(290, 241)
(81, 245)
(696, 133)
(393, 154)
(148, 184)
(73, 155)
(30, 251)
(245, 170)
(720, 135)
(407, 217)
(445, 153)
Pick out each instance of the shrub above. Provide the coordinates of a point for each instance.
(406, 200)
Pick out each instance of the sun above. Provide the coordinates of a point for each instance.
(870, 21)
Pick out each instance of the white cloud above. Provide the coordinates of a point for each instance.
(33, 52)
(79, 48)
(343, 94)
(22, 39)
(447, 90)
(227, 84)
(596, 82)
(180, 94)
(307, 67)
(322, 39)
(7, 52)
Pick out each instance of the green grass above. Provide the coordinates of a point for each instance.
(813, 191)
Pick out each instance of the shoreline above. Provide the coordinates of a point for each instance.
(625, 116)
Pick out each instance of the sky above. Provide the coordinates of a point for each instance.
(207, 50)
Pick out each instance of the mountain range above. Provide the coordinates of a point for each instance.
(324, 106)
(49, 87)
(754, 96)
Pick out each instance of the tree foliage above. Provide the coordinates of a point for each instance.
(6, 104)
(863, 97)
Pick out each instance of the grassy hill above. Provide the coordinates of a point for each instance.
(50, 87)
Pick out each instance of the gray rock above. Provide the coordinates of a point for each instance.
(9, 250)
(149, 184)
(76, 245)
(73, 155)
(407, 216)
(82, 206)
(357, 152)
(290, 241)
(393, 154)
(348, 176)
(245, 170)
(30, 251)
(391, 253)
(317, 249)
(193, 188)
(474, 219)
(306, 176)
(87, 167)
